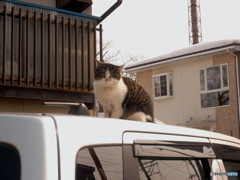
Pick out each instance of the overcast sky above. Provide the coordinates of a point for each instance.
(155, 27)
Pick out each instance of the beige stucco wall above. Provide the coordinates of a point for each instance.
(185, 105)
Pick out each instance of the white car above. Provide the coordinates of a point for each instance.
(68, 147)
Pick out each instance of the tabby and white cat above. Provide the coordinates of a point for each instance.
(121, 97)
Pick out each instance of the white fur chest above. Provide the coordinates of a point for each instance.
(110, 97)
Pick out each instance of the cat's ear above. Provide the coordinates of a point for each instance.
(121, 68)
(98, 63)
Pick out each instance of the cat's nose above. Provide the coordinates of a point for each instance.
(106, 79)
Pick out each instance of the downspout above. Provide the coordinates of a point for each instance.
(110, 10)
(238, 88)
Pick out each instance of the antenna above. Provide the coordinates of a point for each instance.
(194, 22)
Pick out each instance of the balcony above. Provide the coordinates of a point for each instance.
(46, 53)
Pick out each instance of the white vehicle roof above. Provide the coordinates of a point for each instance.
(53, 138)
(110, 131)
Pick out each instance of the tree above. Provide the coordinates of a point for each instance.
(114, 57)
(130, 58)
(108, 55)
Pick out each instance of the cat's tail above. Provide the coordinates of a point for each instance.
(139, 116)
(149, 118)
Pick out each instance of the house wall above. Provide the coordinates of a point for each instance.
(227, 116)
(185, 105)
(184, 108)
(145, 80)
(30, 106)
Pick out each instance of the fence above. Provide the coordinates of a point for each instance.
(42, 49)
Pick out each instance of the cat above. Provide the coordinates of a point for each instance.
(121, 97)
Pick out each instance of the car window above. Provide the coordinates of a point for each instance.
(9, 163)
(232, 168)
(155, 169)
(172, 160)
(95, 163)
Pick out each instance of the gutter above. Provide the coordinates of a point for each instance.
(109, 11)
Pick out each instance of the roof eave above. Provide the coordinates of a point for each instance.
(146, 66)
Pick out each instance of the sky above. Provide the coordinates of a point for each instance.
(151, 28)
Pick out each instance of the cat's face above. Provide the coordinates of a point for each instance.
(107, 75)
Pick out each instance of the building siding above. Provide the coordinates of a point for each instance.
(144, 79)
(227, 116)
(184, 108)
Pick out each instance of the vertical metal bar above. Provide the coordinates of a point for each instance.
(20, 47)
(83, 60)
(95, 58)
(27, 49)
(35, 48)
(12, 47)
(4, 44)
(101, 43)
(76, 54)
(49, 50)
(70, 53)
(56, 51)
(63, 54)
(95, 46)
(42, 50)
(24, 49)
(89, 56)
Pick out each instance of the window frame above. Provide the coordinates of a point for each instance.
(221, 78)
(168, 95)
(221, 89)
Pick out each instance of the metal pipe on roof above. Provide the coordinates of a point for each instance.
(110, 10)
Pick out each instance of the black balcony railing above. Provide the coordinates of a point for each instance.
(46, 49)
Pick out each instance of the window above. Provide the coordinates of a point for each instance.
(174, 160)
(214, 86)
(230, 155)
(173, 169)
(162, 85)
(232, 166)
(96, 163)
(9, 163)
